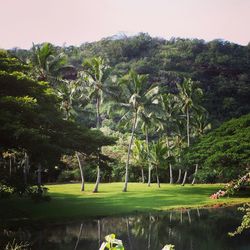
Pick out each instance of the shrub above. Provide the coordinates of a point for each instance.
(5, 191)
(37, 193)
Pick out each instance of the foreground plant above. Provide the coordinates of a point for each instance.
(112, 243)
(168, 247)
(245, 223)
(17, 246)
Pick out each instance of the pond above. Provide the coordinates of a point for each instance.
(195, 229)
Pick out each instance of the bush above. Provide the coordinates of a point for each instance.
(5, 191)
(37, 193)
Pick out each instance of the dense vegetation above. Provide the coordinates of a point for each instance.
(224, 152)
(158, 99)
(222, 68)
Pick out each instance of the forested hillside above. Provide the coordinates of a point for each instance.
(221, 68)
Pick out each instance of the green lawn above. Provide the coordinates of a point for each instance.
(70, 203)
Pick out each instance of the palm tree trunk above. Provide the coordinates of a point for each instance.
(170, 166)
(170, 174)
(98, 125)
(149, 232)
(149, 176)
(195, 172)
(10, 165)
(149, 164)
(142, 175)
(184, 178)
(81, 170)
(25, 167)
(79, 237)
(198, 212)
(98, 118)
(188, 135)
(189, 217)
(179, 177)
(157, 177)
(129, 152)
(98, 175)
(129, 234)
(99, 232)
(39, 175)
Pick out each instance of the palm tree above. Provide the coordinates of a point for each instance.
(166, 122)
(95, 75)
(67, 92)
(46, 62)
(140, 155)
(147, 117)
(201, 125)
(136, 96)
(158, 157)
(189, 94)
(170, 107)
(179, 144)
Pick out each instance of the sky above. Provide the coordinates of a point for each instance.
(73, 22)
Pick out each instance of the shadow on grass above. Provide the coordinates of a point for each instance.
(106, 203)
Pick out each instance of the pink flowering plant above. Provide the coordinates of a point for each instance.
(218, 194)
(235, 185)
(232, 186)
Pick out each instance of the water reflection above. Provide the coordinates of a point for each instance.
(196, 229)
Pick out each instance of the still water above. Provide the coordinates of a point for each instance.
(196, 229)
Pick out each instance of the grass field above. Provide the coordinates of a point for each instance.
(70, 203)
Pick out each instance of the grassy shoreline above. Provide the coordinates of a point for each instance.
(68, 202)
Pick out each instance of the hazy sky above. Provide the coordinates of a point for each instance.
(76, 21)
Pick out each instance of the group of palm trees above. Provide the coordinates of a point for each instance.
(162, 124)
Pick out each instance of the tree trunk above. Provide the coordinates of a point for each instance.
(129, 153)
(149, 176)
(179, 177)
(170, 166)
(189, 217)
(98, 175)
(184, 178)
(198, 212)
(149, 164)
(188, 136)
(25, 168)
(157, 177)
(81, 170)
(99, 232)
(195, 172)
(79, 237)
(98, 118)
(149, 232)
(170, 174)
(10, 165)
(39, 175)
(142, 175)
(98, 125)
(129, 235)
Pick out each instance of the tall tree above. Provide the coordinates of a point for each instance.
(47, 62)
(188, 94)
(136, 95)
(96, 73)
(140, 156)
(158, 156)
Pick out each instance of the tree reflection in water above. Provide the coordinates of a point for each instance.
(186, 229)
